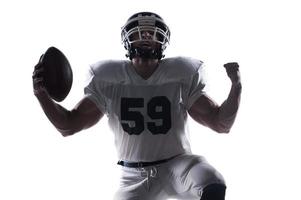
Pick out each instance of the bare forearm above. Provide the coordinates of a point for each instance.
(57, 114)
(228, 110)
(219, 118)
(84, 115)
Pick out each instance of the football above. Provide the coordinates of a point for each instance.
(57, 74)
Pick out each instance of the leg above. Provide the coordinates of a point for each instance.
(214, 192)
(193, 177)
(140, 183)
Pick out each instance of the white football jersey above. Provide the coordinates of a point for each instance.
(148, 117)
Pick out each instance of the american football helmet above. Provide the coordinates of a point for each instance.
(132, 33)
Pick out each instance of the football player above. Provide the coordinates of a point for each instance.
(147, 100)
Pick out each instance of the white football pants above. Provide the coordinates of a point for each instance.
(183, 177)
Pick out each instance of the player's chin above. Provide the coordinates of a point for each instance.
(146, 44)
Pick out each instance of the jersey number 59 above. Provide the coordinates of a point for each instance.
(157, 108)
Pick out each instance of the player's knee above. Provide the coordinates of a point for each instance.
(214, 192)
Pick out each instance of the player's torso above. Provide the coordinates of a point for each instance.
(147, 116)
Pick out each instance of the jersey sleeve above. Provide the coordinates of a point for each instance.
(93, 91)
(196, 85)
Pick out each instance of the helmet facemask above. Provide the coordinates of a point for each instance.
(145, 35)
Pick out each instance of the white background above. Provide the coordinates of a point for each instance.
(259, 158)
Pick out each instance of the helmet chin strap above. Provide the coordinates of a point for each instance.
(145, 53)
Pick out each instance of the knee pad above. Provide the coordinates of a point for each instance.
(214, 192)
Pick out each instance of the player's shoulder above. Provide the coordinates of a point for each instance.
(108, 69)
(182, 66)
(107, 66)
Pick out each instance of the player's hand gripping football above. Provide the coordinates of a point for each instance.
(233, 73)
(38, 79)
(53, 75)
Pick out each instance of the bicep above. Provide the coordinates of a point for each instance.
(85, 114)
(204, 110)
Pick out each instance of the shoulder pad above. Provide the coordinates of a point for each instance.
(109, 70)
(182, 67)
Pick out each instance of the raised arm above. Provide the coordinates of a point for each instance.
(219, 118)
(84, 115)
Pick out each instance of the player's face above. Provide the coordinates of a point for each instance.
(146, 40)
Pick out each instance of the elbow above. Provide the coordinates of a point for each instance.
(66, 133)
(67, 126)
(222, 129)
(222, 126)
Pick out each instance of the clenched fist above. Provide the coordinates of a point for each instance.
(233, 73)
